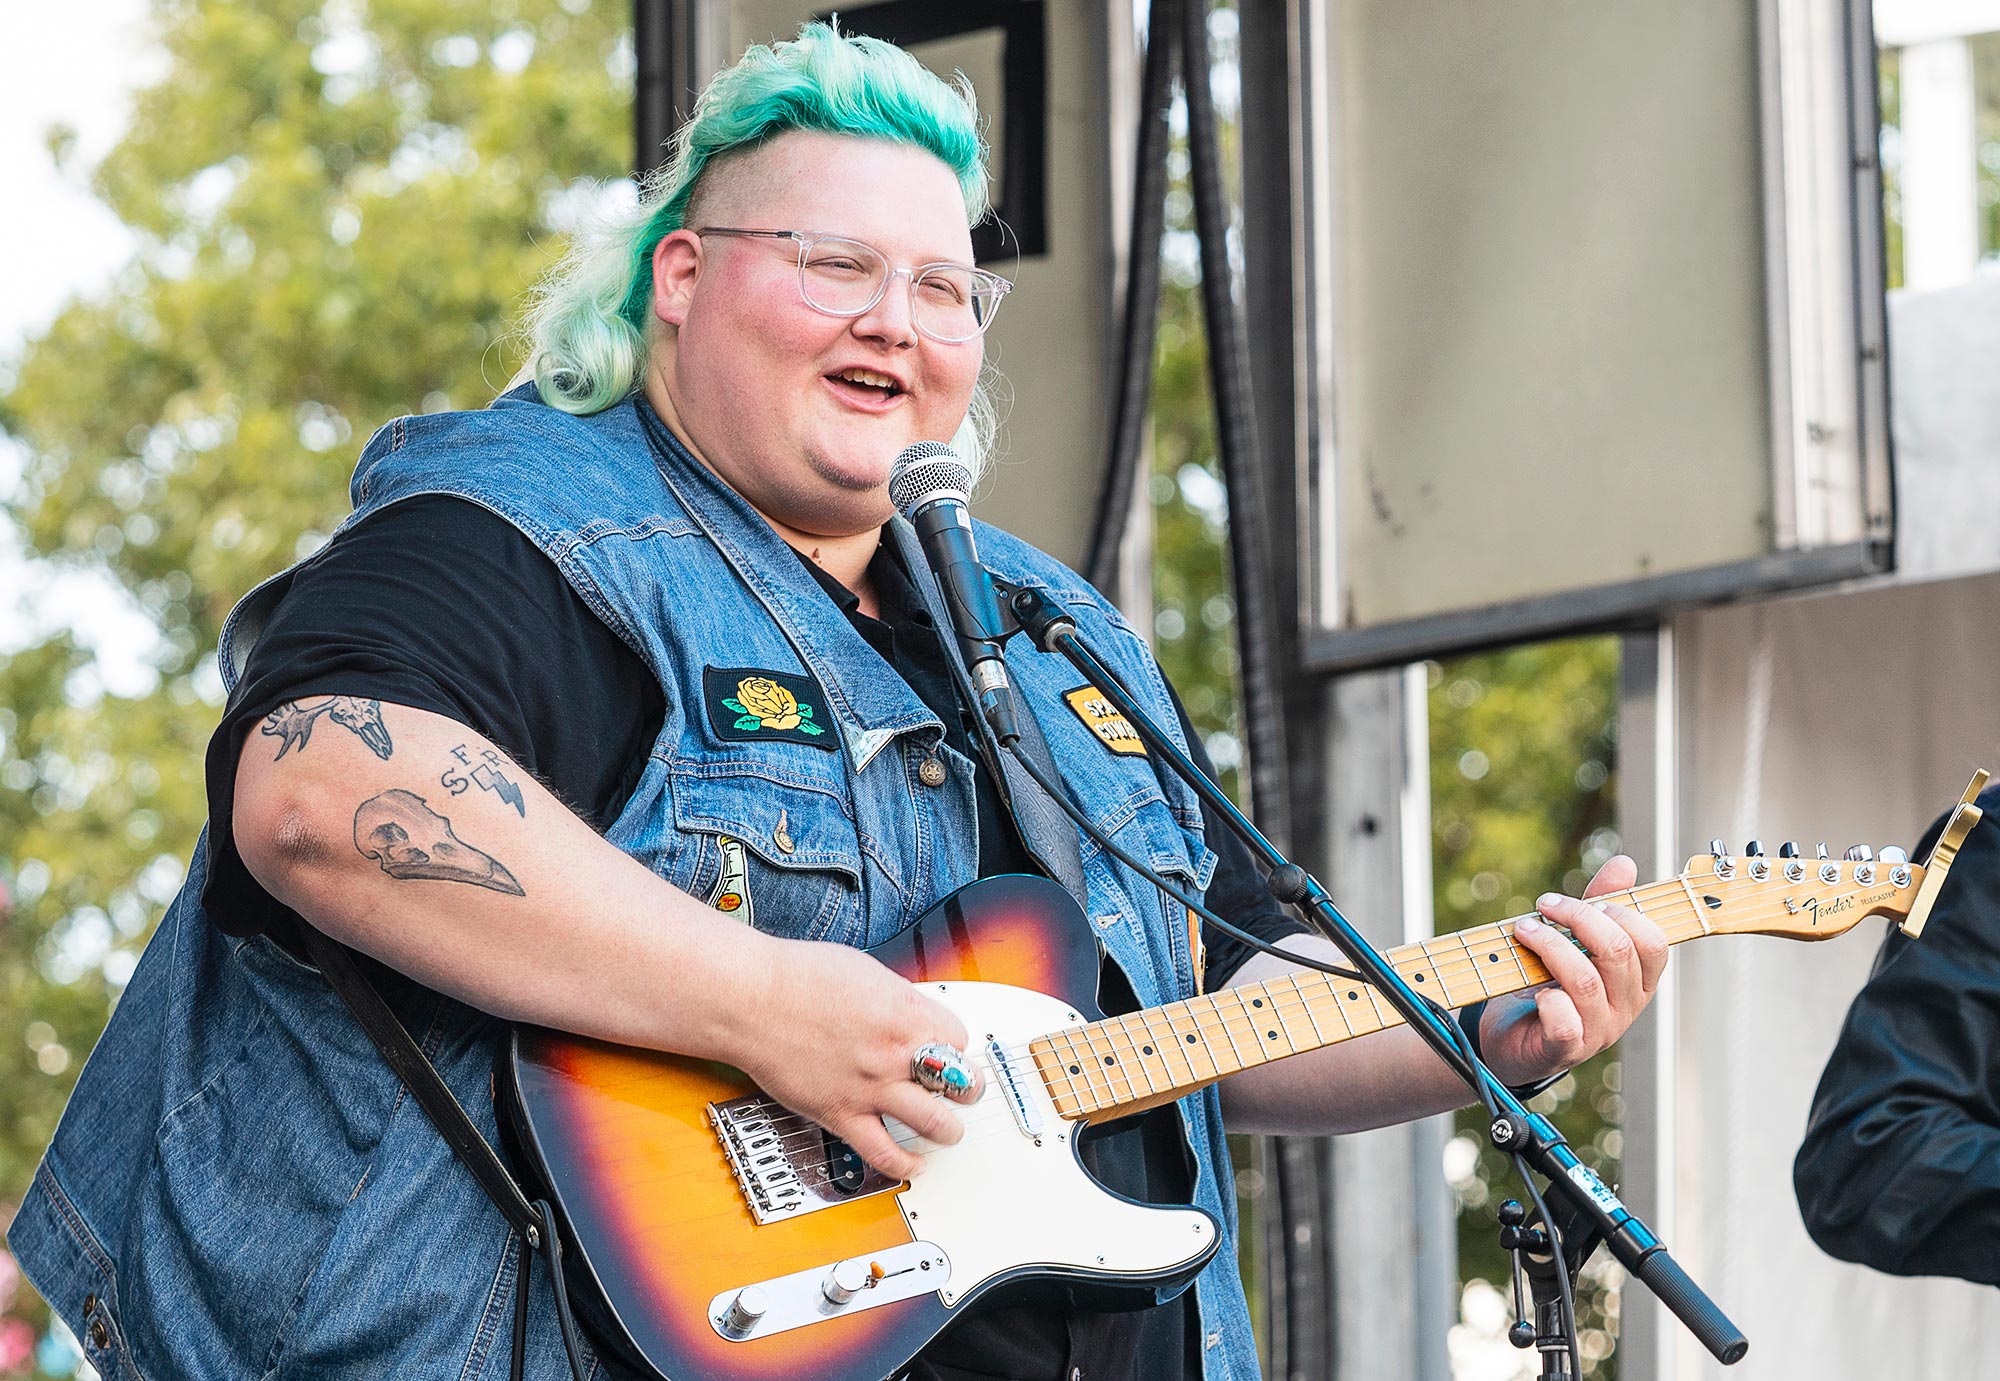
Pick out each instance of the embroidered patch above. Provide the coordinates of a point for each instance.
(746, 705)
(732, 890)
(1101, 717)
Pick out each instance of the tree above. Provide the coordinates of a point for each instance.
(340, 206)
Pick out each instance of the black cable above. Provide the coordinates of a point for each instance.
(565, 1321)
(1257, 642)
(1054, 792)
(1134, 382)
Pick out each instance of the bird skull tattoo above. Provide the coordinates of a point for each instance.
(292, 723)
(412, 841)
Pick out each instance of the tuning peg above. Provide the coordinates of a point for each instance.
(1755, 848)
(1819, 849)
(1788, 849)
(1828, 872)
(1860, 853)
(1893, 855)
(1715, 848)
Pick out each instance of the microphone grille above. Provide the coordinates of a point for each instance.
(926, 471)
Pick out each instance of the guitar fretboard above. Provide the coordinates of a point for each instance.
(1121, 1065)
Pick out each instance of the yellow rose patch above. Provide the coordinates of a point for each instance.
(746, 704)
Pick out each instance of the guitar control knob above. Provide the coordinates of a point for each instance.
(1893, 855)
(846, 1280)
(1788, 849)
(745, 1311)
(1860, 853)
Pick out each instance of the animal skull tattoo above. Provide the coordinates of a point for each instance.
(412, 841)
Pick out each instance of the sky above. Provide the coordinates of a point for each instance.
(74, 63)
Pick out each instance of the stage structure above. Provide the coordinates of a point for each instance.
(1558, 319)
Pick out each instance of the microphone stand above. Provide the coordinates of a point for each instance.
(1514, 1129)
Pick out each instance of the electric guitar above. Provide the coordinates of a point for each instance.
(712, 1235)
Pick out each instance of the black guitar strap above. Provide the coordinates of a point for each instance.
(535, 1223)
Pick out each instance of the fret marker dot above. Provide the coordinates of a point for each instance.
(1272, 1034)
(1420, 978)
(1190, 1040)
(1352, 995)
(1111, 1059)
(1256, 1002)
(1076, 1069)
(1492, 958)
(1146, 1050)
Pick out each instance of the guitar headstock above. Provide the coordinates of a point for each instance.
(1800, 898)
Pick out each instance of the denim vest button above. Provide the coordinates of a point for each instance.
(90, 1304)
(932, 772)
(100, 1336)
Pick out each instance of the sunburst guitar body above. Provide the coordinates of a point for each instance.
(681, 1186)
(712, 1235)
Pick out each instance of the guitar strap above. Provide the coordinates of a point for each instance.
(533, 1222)
(1048, 832)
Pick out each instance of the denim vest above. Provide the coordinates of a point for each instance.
(239, 1188)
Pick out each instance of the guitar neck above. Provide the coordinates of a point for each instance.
(1109, 1069)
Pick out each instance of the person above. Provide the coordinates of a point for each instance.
(1899, 1168)
(609, 709)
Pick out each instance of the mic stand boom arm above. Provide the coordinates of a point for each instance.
(1514, 1129)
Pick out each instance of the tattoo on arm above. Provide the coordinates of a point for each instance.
(486, 774)
(412, 841)
(292, 723)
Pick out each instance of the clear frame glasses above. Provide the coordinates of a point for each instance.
(839, 276)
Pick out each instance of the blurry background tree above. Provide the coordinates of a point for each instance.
(339, 205)
(1523, 748)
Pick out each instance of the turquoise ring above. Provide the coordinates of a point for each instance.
(941, 1068)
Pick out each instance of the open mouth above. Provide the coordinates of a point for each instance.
(865, 386)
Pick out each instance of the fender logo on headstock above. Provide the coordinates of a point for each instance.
(1833, 908)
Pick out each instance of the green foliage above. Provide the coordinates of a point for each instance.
(339, 207)
(1523, 794)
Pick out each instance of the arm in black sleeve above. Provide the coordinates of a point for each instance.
(438, 604)
(1900, 1169)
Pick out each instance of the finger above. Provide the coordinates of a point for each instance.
(1648, 940)
(1563, 1034)
(1575, 973)
(924, 1113)
(866, 1135)
(1608, 947)
(1617, 875)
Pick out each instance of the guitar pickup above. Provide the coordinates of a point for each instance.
(1026, 1118)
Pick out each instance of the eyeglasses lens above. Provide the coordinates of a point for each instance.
(950, 303)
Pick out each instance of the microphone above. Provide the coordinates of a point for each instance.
(930, 485)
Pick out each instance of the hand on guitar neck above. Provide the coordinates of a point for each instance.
(1603, 961)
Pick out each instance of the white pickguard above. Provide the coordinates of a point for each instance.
(996, 1201)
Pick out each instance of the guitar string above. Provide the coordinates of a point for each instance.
(1112, 1030)
(1116, 1034)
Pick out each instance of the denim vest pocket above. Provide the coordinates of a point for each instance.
(795, 844)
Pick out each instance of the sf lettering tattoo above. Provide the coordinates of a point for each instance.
(292, 723)
(411, 841)
(486, 774)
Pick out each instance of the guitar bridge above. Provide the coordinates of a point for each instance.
(786, 1166)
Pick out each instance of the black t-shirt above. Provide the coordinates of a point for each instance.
(438, 604)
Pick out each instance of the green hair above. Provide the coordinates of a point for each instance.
(586, 327)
